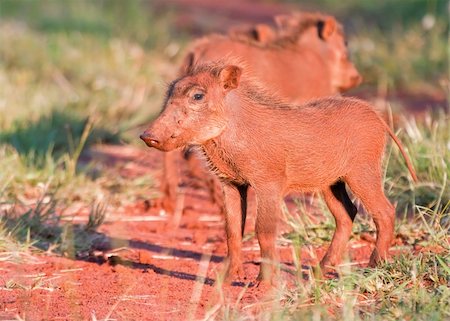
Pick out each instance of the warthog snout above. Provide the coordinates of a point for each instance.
(150, 140)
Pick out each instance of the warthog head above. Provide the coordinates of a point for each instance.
(193, 112)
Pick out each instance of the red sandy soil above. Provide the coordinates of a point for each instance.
(149, 269)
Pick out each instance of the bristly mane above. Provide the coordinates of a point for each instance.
(255, 92)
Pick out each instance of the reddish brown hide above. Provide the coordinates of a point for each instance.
(227, 117)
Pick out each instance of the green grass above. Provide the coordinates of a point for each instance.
(60, 77)
(405, 59)
(385, 14)
(138, 20)
(428, 147)
(414, 285)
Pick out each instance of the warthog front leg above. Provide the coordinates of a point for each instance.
(235, 197)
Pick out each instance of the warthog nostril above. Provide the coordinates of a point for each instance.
(149, 140)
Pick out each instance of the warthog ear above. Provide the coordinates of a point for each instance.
(229, 77)
(187, 64)
(263, 33)
(326, 28)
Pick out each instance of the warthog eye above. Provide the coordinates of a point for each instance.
(198, 96)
